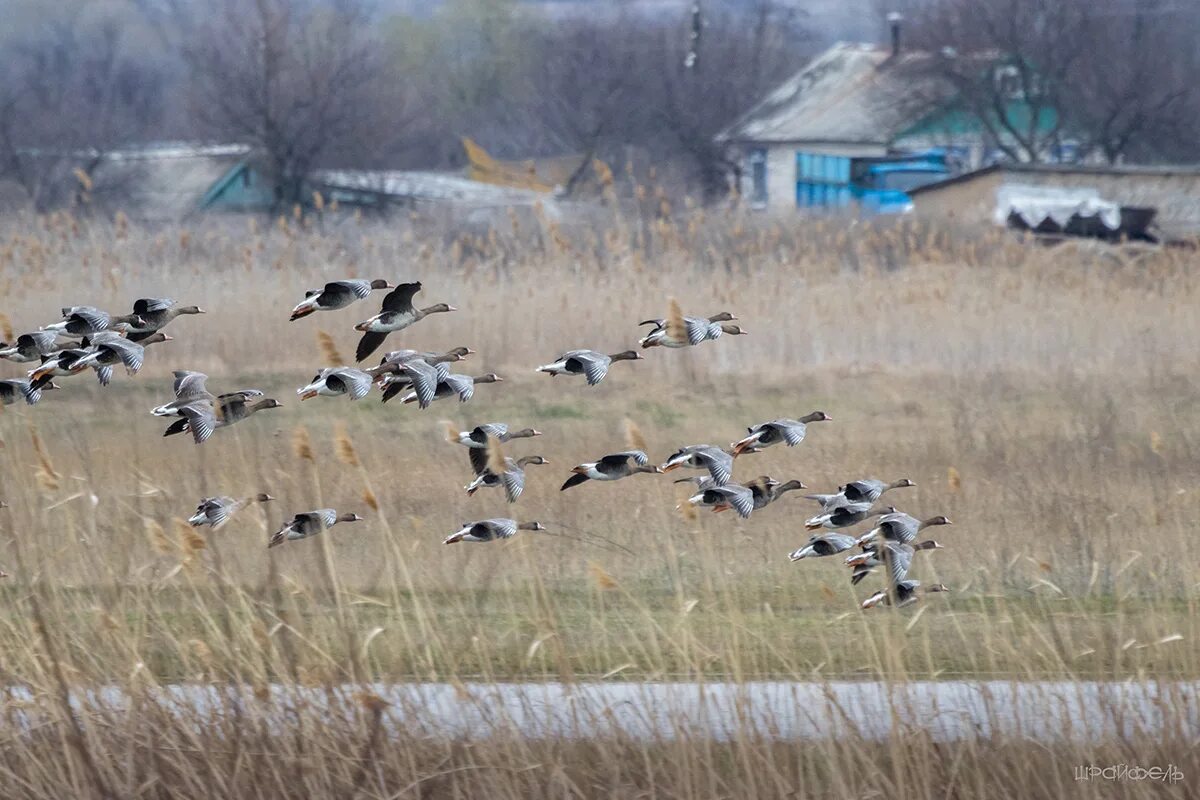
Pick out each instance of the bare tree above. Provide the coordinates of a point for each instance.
(300, 82)
(1117, 78)
(1134, 91)
(728, 56)
(83, 82)
(1006, 61)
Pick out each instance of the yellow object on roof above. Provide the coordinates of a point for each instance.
(485, 169)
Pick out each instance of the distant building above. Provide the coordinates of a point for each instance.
(176, 181)
(860, 125)
(982, 197)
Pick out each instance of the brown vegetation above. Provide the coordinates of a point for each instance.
(1044, 399)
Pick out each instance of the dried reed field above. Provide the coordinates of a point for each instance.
(1043, 399)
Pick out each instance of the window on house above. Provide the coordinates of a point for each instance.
(758, 176)
(822, 181)
(1008, 82)
(1065, 152)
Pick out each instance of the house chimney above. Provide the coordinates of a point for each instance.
(894, 19)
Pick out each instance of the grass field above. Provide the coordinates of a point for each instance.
(1044, 399)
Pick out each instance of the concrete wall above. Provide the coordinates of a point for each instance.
(966, 202)
(1175, 195)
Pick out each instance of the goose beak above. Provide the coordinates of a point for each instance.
(537, 432)
(578, 470)
(451, 308)
(200, 311)
(362, 326)
(308, 394)
(669, 467)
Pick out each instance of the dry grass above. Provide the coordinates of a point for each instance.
(1045, 400)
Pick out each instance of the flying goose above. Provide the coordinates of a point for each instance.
(189, 387)
(718, 462)
(333, 381)
(902, 594)
(31, 346)
(900, 527)
(845, 516)
(789, 431)
(677, 330)
(111, 350)
(85, 320)
(612, 467)
(489, 530)
(477, 437)
(893, 555)
(310, 523)
(511, 477)
(335, 295)
(866, 490)
(154, 313)
(216, 511)
(454, 384)
(396, 314)
(768, 490)
(589, 363)
(723, 497)
(63, 363)
(764, 489)
(203, 417)
(14, 388)
(824, 544)
(419, 372)
(393, 361)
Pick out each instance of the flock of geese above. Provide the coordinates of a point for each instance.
(87, 338)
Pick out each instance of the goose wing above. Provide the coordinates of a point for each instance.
(38, 341)
(347, 291)
(497, 528)
(462, 385)
(697, 329)
(594, 365)
(130, 353)
(791, 430)
(189, 384)
(740, 497)
(400, 299)
(898, 558)
(148, 305)
(479, 459)
(839, 541)
(718, 462)
(497, 430)
(93, 318)
(201, 420)
(618, 459)
(357, 383)
(425, 380)
(513, 479)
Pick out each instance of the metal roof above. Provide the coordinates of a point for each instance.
(1132, 170)
(428, 186)
(855, 93)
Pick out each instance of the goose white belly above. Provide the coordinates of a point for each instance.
(388, 322)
